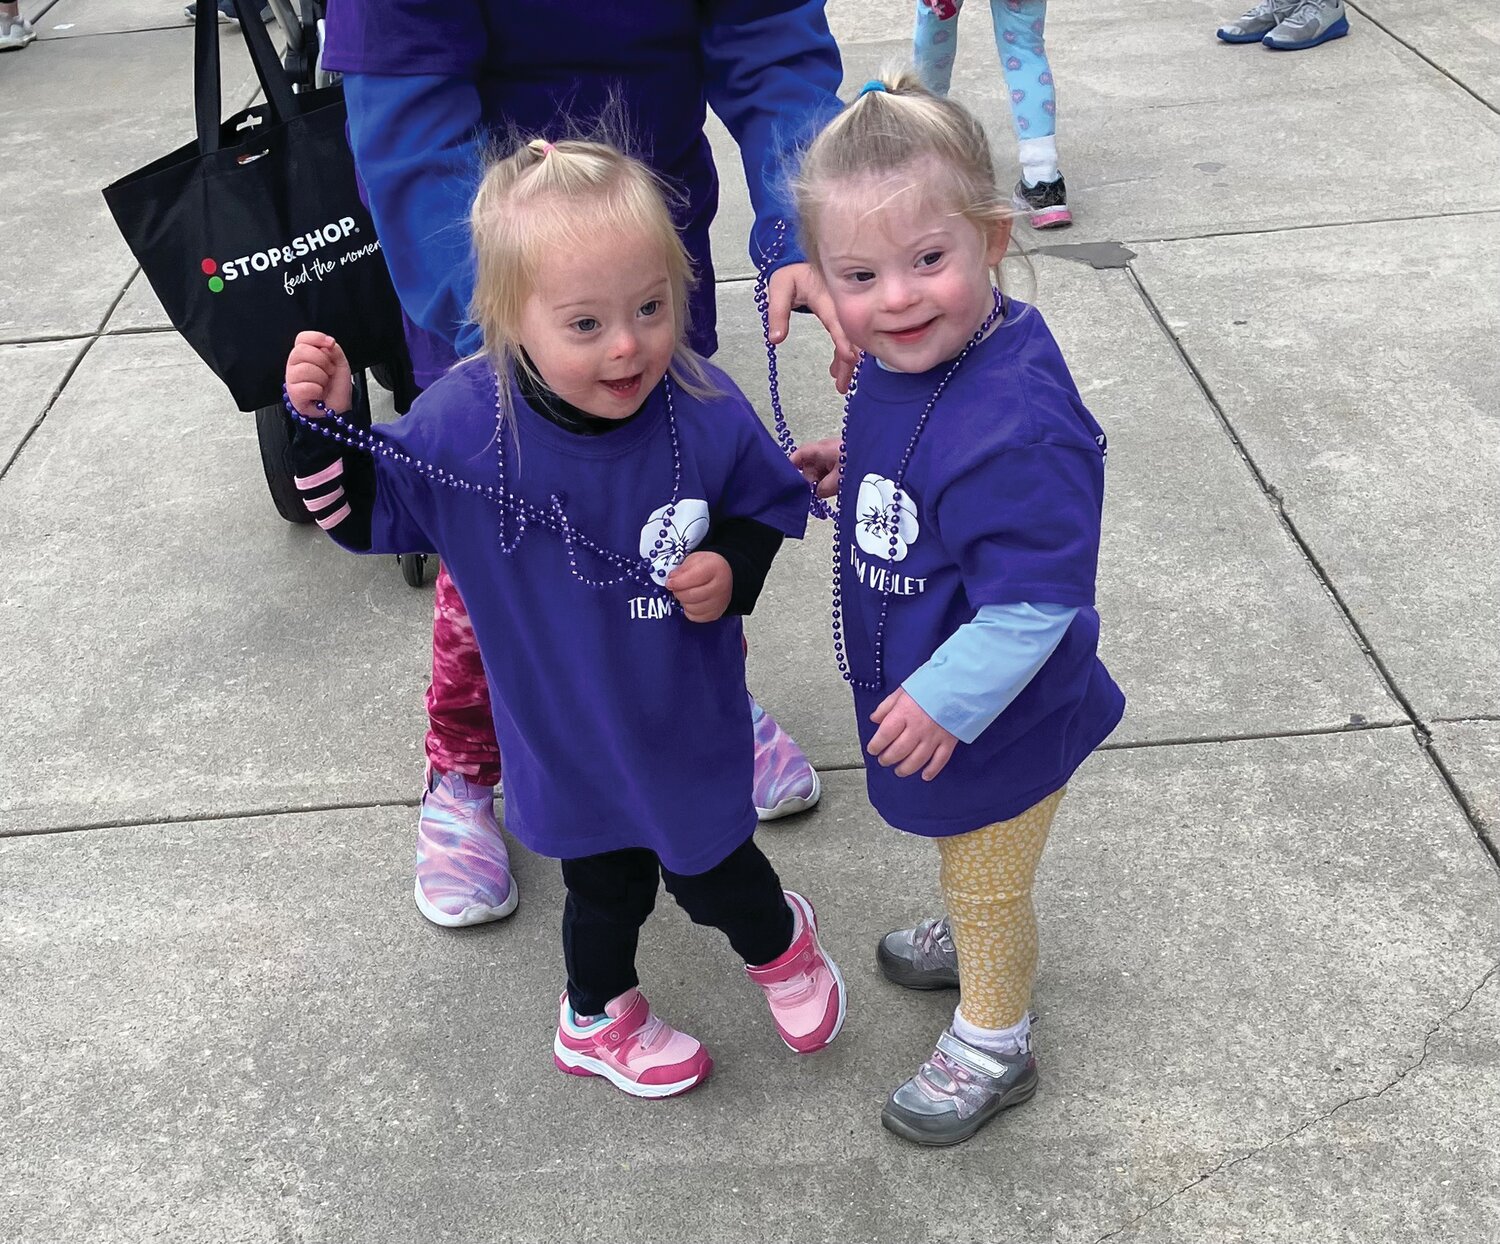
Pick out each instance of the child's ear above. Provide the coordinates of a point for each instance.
(999, 241)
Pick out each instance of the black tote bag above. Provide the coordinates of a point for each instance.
(256, 231)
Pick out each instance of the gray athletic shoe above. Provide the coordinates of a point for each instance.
(920, 958)
(957, 1091)
(1310, 23)
(1257, 23)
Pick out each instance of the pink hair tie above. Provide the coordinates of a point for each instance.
(548, 148)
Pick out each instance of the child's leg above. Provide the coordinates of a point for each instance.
(935, 42)
(742, 897)
(984, 1065)
(775, 932)
(605, 1026)
(987, 878)
(609, 898)
(1019, 26)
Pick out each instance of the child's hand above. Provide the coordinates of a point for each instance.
(908, 738)
(317, 371)
(702, 584)
(819, 464)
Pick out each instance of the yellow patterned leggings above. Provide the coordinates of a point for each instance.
(987, 877)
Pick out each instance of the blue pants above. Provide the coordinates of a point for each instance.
(1023, 57)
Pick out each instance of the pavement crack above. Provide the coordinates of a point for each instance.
(1229, 1163)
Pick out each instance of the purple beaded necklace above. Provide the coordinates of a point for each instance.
(816, 506)
(890, 518)
(552, 517)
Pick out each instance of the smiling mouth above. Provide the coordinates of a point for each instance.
(914, 333)
(623, 388)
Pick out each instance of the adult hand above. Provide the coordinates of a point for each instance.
(702, 585)
(799, 285)
(317, 371)
(908, 738)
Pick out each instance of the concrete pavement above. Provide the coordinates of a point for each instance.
(1270, 909)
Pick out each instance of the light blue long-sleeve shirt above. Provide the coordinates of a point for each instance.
(975, 674)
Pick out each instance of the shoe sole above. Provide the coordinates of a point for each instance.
(899, 972)
(1044, 218)
(1242, 38)
(897, 1124)
(838, 1024)
(794, 805)
(1337, 31)
(576, 1064)
(470, 915)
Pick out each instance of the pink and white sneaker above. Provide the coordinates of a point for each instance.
(630, 1047)
(785, 783)
(803, 986)
(463, 868)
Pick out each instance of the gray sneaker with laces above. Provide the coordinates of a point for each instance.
(957, 1091)
(923, 957)
(1308, 24)
(1255, 24)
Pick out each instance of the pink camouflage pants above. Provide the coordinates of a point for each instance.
(460, 729)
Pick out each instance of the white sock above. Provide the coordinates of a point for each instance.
(1039, 159)
(1012, 1040)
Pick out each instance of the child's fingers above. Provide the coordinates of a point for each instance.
(940, 757)
(336, 354)
(317, 340)
(878, 716)
(917, 758)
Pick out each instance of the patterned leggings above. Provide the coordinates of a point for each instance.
(460, 730)
(987, 877)
(1023, 57)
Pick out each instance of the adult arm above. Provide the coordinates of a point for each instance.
(418, 143)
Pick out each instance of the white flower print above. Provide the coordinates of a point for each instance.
(679, 535)
(878, 517)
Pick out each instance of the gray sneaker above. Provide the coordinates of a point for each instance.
(920, 958)
(957, 1091)
(1310, 23)
(1255, 25)
(15, 33)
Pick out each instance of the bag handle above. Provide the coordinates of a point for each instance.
(207, 101)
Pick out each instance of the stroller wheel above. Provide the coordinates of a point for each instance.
(273, 427)
(413, 567)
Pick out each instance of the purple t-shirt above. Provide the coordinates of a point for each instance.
(622, 724)
(1001, 503)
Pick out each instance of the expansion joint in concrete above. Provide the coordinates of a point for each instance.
(1229, 1163)
(1288, 524)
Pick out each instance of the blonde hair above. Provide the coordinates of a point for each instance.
(546, 196)
(893, 127)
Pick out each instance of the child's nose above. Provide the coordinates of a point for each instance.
(622, 345)
(897, 293)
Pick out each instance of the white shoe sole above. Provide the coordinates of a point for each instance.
(794, 805)
(477, 914)
(583, 1064)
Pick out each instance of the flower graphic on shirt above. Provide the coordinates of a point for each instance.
(666, 541)
(884, 527)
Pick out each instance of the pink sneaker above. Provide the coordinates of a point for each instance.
(463, 868)
(803, 986)
(631, 1048)
(785, 783)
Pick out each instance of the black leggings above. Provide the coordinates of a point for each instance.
(610, 896)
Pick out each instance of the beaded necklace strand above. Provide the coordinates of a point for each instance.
(552, 517)
(889, 518)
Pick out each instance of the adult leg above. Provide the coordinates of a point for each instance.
(775, 932)
(1020, 27)
(935, 42)
(983, 1064)
(463, 869)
